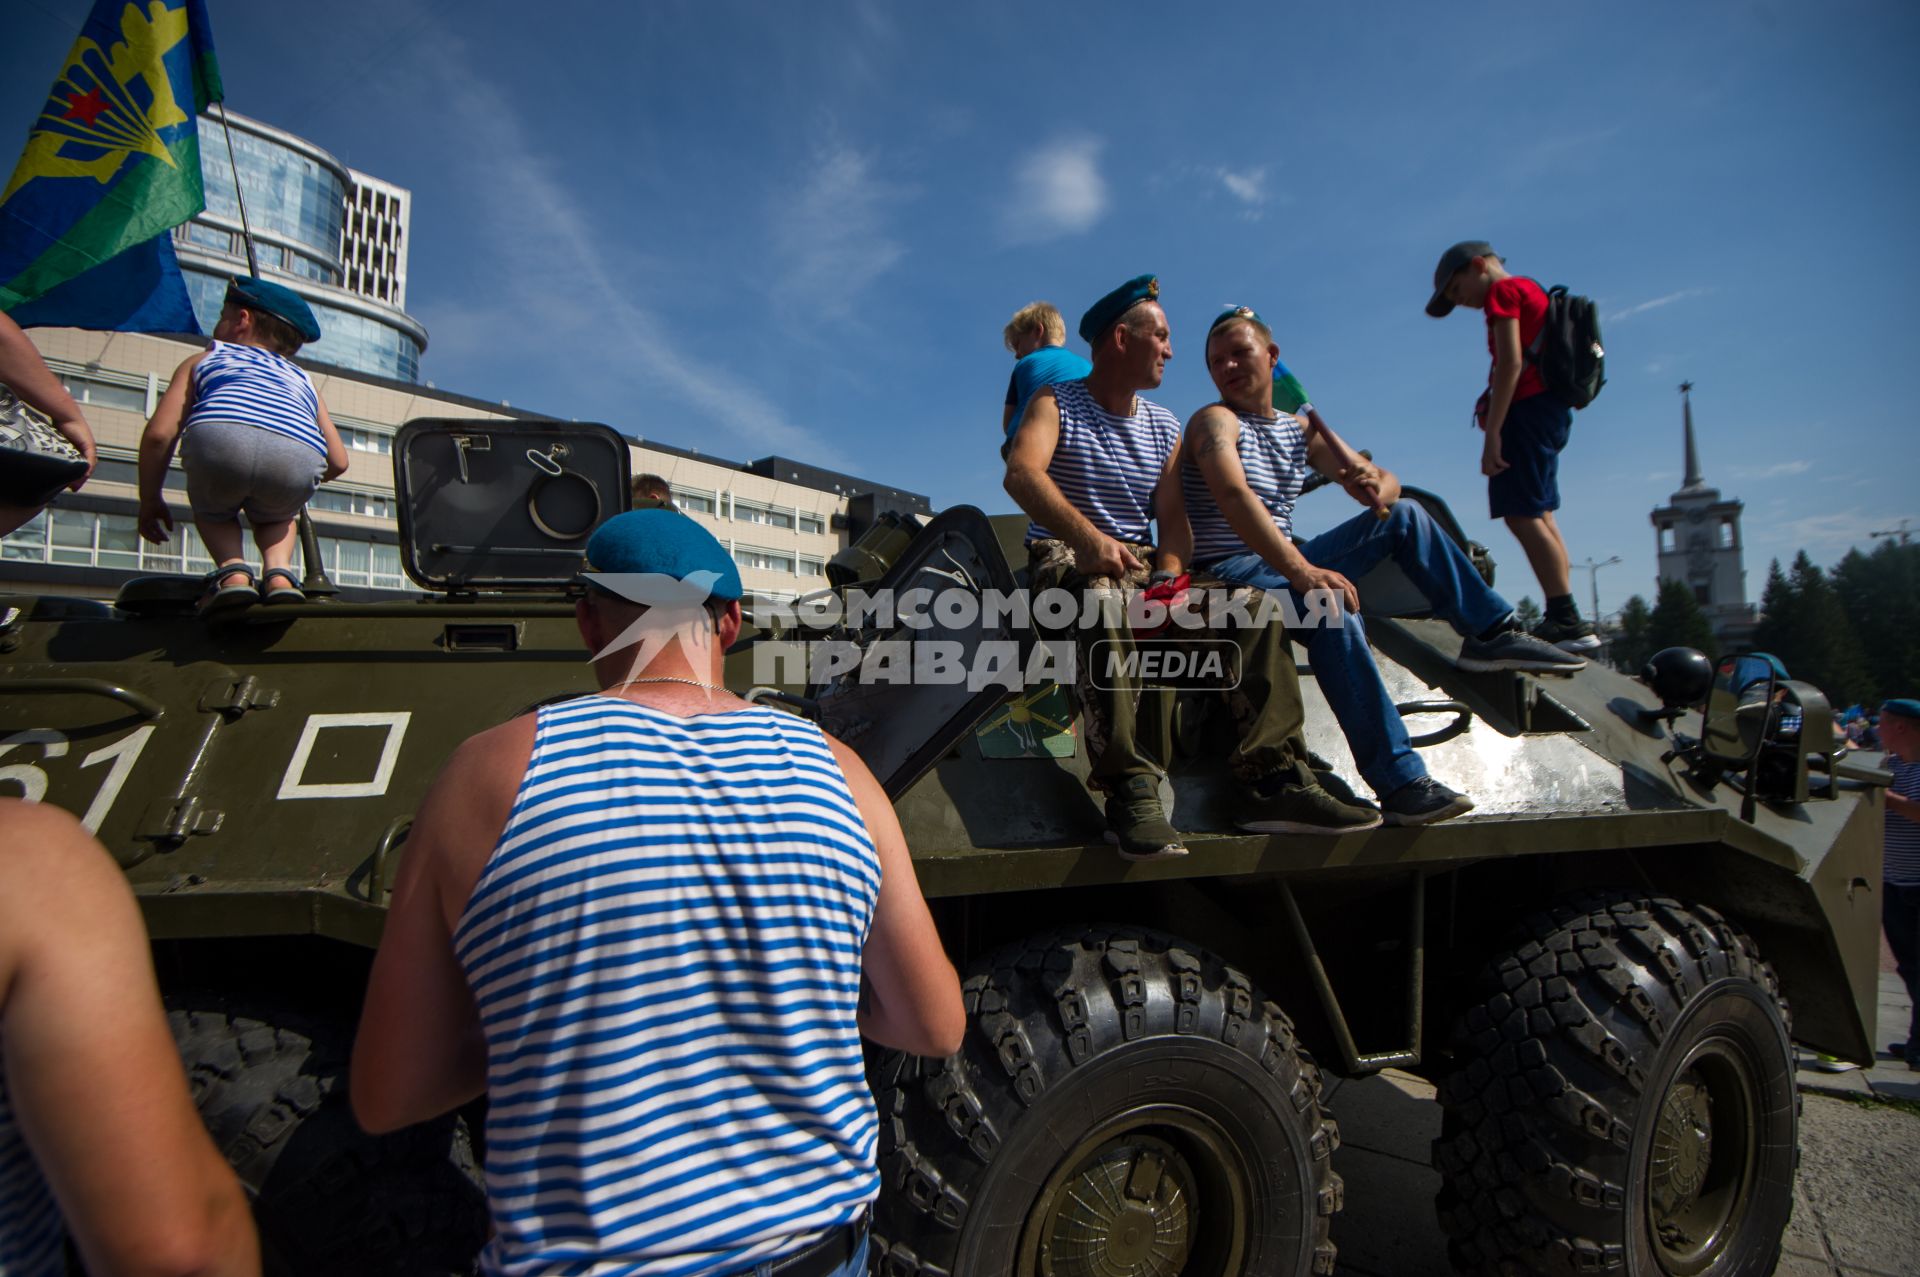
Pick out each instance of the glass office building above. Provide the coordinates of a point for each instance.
(336, 237)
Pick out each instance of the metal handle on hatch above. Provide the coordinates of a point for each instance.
(1463, 719)
(141, 704)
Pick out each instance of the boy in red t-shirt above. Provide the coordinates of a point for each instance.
(1525, 426)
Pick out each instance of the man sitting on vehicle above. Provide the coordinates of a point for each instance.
(1094, 465)
(1246, 464)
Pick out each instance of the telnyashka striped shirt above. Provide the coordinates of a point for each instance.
(1273, 452)
(256, 388)
(1902, 847)
(32, 1237)
(1107, 466)
(664, 948)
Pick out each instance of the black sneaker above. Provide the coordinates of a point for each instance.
(1302, 809)
(1137, 824)
(1518, 650)
(1424, 801)
(1573, 636)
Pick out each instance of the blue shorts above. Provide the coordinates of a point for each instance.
(1530, 443)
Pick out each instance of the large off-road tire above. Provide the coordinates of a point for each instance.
(328, 1199)
(1124, 1105)
(1622, 1100)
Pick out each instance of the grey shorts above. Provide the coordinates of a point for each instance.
(232, 467)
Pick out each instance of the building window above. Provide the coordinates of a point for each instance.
(98, 392)
(810, 566)
(756, 512)
(748, 556)
(813, 523)
(82, 538)
(373, 505)
(693, 500)
(362, 563)
(1703, 594)
(361, 439)
(1726, 534)
(1667, 543)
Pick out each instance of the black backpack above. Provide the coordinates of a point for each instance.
(1567, 350)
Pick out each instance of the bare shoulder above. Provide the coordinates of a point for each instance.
(1212, 428)
(46, 847)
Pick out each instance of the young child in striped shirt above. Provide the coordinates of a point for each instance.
(258, 440)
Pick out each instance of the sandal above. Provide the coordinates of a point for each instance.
(222, 598)
(290, 592)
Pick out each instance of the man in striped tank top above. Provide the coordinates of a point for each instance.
(258, 440)
(1094, 466)
(651, 926)
(1900, 869)
(1246, 465)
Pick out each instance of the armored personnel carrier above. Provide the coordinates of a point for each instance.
(1596, 965)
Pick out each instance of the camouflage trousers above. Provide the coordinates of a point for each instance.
(1129, 723)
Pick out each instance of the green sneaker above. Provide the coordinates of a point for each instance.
(1296, 808)
(1137, 824)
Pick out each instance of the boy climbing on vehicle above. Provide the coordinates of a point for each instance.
(258, 440)
(1526, 426)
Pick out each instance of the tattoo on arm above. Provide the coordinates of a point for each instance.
(1209, 439)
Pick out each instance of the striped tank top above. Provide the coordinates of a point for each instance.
(664, 948)
(1273, 452)
(1901, 865)
(32, 1236)
(1107, 466)
(256, 388)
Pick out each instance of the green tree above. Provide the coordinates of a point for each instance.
(1806, 626)
(1677, 621)
(1527, 612)
(1880, 593)
(1633, 643)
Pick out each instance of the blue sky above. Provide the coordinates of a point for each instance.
(750, 228)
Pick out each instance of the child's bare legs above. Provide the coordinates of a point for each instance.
(276, 542)
(224, 544)
(1540, 538)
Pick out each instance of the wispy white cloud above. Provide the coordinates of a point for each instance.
(1779, 469)
(555, 286)
(1825, 537)
(1642, 308)
(1057, 190)
(1662, 476)
(833, 230)
(1249, 187)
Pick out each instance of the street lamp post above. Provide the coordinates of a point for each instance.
(1593, 581)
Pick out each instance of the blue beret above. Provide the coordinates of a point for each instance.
(1905, 707)
(1232, 313)
(1104, 313)
(666, 543)
(277, 300)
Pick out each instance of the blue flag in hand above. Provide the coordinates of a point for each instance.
(112, 165)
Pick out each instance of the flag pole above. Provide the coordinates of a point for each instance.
(246, 231)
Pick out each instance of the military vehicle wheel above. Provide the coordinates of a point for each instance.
(328, 1198)
(1622, 1100)
(1125, 1103)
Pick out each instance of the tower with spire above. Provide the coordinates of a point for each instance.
(1698, 543)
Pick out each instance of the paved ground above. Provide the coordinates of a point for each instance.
(1856, 1209)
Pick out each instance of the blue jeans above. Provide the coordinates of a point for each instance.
(855, 1267)
(1900, 916)
(1341, 660)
